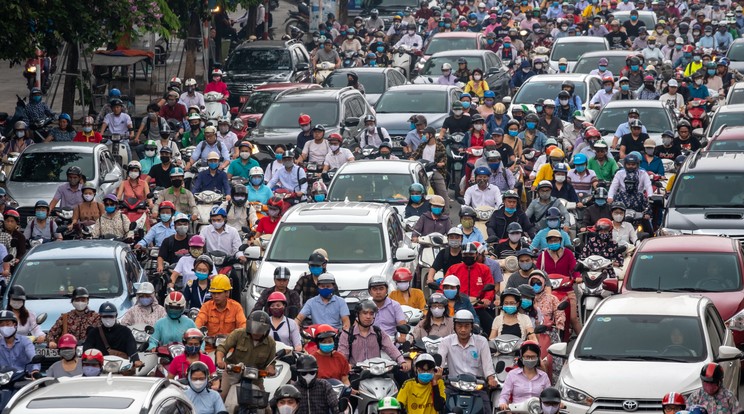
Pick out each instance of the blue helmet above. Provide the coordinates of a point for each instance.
(114, 93)
(65, 117)
(176, 171)
(579, 159)
(489, 94)
(482, 171)
(416, 187)
(465, 95)
(218, 211)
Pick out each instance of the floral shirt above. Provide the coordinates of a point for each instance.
(724, 402)
(62, 136)
(147, 315)
(547, 305)
(77, 325)
(601, 245)
(117, 225)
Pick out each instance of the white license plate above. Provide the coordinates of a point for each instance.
(397, 144)
(47, 352)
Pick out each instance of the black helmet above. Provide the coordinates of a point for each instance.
(17, 292)
(165, 130)
(307, 363)
(74, 170)
(259, 323)
(601, 193)
(526, 291)
(205, 259)
(239, 189)
(531, 117)
(116, 101)
(6, 315)
(41, 203)
(514, 228)
(550, 395)
(317, 259)
(287, 391)
(618, 205)
(680, 159)
(553, 212)
(367, 305)
(437, 298)
(510, 291)
(564, 95)
(467, 211)
(80, 292)
(569, 84)
(711, 371)
(107, 309)
(386, 144)
(281, 273)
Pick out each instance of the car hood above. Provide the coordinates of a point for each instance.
(712, 221)
(600, 379)
(270, 76)
(27, 194)
(397, 123)
(738, 66)
(56, 307)
(273, 136)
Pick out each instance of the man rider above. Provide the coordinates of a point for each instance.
(163, 229)
(70, 193)
(448, 257)
(457, 122)
(538, 208)
(631, 185)
(281, 283)
(221, 315)
(417, 203)
(390, 313)
(319, 393)
(327, 307)
(372, 134)
(213, 178)
(36, 110)
(435, 220)
(327, 54)
(510, 212)
(112, 338)
(367, 340)
(473, 277)
(210, 145)
(18, 350)
(292, 177)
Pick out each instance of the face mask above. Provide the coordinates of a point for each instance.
(538, 108)
(67, 354)
(529, 363)
(526, 266)
(454, 243)
(145, 301)
(560, 178)
(149, 154)
(245, 155)
(550, 409)
(625, 88)
(316, 270)
(174, 313)
(553, 224)
(164, 159)
(544, 195)
(176, 183)
(510, 210)
(526, 70)
(581, 168)
(478, 127)
(213, 165)
(711, 72)
(326, 348)
(562, 68)
(88, 197)
(530, 125)
(192, 350)
(308, 378)
(277, 312)
(697, 58)
(468, 260)
(403, 286)
(416, 198)
(438, 312)
(16, 304)
(319, 198)
(334, 148)
(201, 276)
(325, 292)
(554, 246)
(425, 377)
(667, 142)
(634, 67)
(457, 112)
(36, 99)
(288, 164)
(110, 209)
(218, 224)
(450, 293)
(467, 223)
(602, 68)
(134, 175)
(108, 322)
(649, 151)
(509, 309)
(494, 165)
(437, 210)
(41, 215)
(87, 129)
(698, 82)
(513, 132)
(90, 371)
(710, 388)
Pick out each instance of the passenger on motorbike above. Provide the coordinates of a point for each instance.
(417, 203)
(240, 214)
(477, 134)
(41, 227)
(447, 256)
(483, 194)
(651, 162)
(106, 109)
(70, 193)
(164, 229)
(466, 353)
(146, 310)
(63, 132)
(243, 164)
(545, 171)
(470, 233)
(601, 243)
(27, 325)
(205, 400)
(135, 186)
(623, 232)
(437, 321)
(198, 293)
(176, 193)
(112, 338)
(500, 176)
(18, 349)
(331, 363)
(21, 140)
(171, 329)
(450, 288)
(435, 220)
(404, 294)
(526, 261)
(284, 329)
(10, 227)
(509, 245)
(112, 222)
(473, 277)
(186, 266)
(327, 307)
(561, 187)
(69, 365)
(551, 122)
(599, 209)
(319, 192)
(267, 224)
(336, 156)
(367, 339)
(320, 394)
(292, 177)
(423, 394)
(511, 321)
(119, 122)
(539, 207)
(162, 172)
(528, 380)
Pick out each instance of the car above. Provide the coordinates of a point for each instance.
(589, 62)
(340, 110)
(727, 139)
(735, 94)
(375, 80)
(446, 41)
(259, 100)
(265, 61)
(361, 239)
(639, 345)
(101, 395)
(386, 9)
(706, 197)
(548, 87)
(647, 17)
(398, 103)
(41, 168)
(735, 55)
(728, 115)
(655, 116)
(494, 72)
(572, 48)
(382, 181)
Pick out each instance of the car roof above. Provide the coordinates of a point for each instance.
(651, 303)
(422, 87)
(469, 52)
(75, 249)
(604, 53)
(457, 34)
(738, 85)
(378, 166)
(266, 44)
(689, 243)
(642, 103)
(580, 39)
(731, 108)
(321, 94)
(87, 148)
(576, 77)
(364, 70)
(624, 12)
(732, 133)
(337, 212)
(285, 86)
(714, 161)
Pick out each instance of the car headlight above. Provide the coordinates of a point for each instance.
(256, 291)
(358, 294)
(665, 231)
(736, 323)
(573, 395)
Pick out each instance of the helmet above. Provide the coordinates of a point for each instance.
(116, 102)
(467, 211)
(134, 164)
(604, 224)
(579, 159)
(218, 211)
(175, 80)
(277, 297)
(526, 290)
(679, 160)
(592, 132)
(114, 93)
(325, 331)
(335, 137)
(711, 371)
(514, 227)
(544, 184)
(531, 117)
(529, 346)
(167, 204)
(19, 125)
(550, 395)
(369, 118)
(437, 299)
(418, 187)
(220, 283)
(287, 391)
(402, 274)
(108, 309)
(275, 202)
(80, 292)
(631, 158)
(446, 66)
(567, 84)
(463, 316)
(367, 305)
(176, 171)
(258, 323)
(499, 108)
(550, 102)
(196, 241)
(307, 363)
(510, 194)
(510, 291)
(151, 145)
(563, 95)
(192, 333)
(451, 280)
(217, 72)
(489, 94)
(190, 82)
(482, 171)
(93, 355)
(424, 358)
(560, 167)
(67, 341)
(205, 259)
(557, 154)
(74, 170)
(17, 292)
(326, 278)
(146, 288)
(617, 205)
(193, 117)
(389, 403)
(673, 398)
(65, 117)
(175, 300)
(6, 315)
(376, 281)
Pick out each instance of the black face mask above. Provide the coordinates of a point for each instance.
(164, 160)
(468, 260)
(177, 183)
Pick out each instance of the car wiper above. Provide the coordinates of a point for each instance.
(684, 289)
(94, 296)
(56, 296)
(651, 358)
(594, 357)
(643, 289)
(691, 205)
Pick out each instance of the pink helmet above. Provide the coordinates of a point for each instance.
(196, 241)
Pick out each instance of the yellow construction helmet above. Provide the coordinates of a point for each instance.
(220, 283)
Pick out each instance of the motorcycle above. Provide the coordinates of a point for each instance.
(313, 172)
(205, 201)
(350, 59)
(376, 383)
(11, 380)
(484, 214)
(342, 393)
(214, 107)
(40, 129)
(247, 397)
(504, 352)
(528, 406)
(117, 148)
(116, 365)
(561, 286)
(455, 158)
(136, 211)
(298, 19)
(428, 249)
(31, 69)
(230, 266)
(595, 270)
(402, 59)
(464, 398)
(165, 355)
(697, 113)
(141, 334)
(474, 153)
(322, 70)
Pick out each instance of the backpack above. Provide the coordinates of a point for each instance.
(219, 148)
(375, 328)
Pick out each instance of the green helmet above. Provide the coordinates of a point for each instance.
(388, 403)
(151, 145)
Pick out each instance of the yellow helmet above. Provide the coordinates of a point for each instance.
(220, 283)
(557, 154)
(499, 108)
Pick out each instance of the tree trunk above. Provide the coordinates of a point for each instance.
(70, 90)
(343, 12)
(192, 43)
(251, 23)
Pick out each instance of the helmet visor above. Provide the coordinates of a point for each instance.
(258, 327)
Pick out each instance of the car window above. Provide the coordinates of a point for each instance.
(132, 268)
(171, 406)
(736, 96)
(348, 109)
(345, 242)
(100, 275)
(41, 167)
(295, 57)
(713, 189)
(391, 235)
(358, 104)
(572, 51)
(491, 62)
(716, 334)
(397, 229)
(423, 179)
(102, 166)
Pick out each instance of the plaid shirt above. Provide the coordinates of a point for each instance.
(320, 396)
(77, 325)
(306, 287)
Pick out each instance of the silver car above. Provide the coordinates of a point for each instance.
(41, 168)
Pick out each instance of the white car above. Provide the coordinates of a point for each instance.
(573, 47)
(636, 347)
(548, 87)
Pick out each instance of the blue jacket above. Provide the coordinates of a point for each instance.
(463, 302)
(205, 181)
(655, 166)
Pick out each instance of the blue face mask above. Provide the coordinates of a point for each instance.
(36, 99)
(510, 309)
(536, 288)
(425, 377)
(507, 45)
(416, 198)
(554, 246)
(494, 165)
(90, 371)
(214, 165)
(466, 104)
(600, 202)
(413, 126)
(634, 67)
(144, 301)
(437, 210)
(201, 276)
(581, 168)
(711, 72)
(490, 41)
(165, 218)
(526, 303)
(279, 156)
(562, 67)
(531, 125)
(372, 63)
(325, 292)
(174, 314)
(602, 68)
(256, 180)
(686, 55)
(319, 197)
(450, 293)
(41, 215)
(316, 270)
(380, 49)
(513, 133)
(441, 24)
(625, 87)
(553, 224)
(110, 209)
(538, 108)
(608, 89)
(326, 348)
(191, 349)
(510, 210)
(633, 18)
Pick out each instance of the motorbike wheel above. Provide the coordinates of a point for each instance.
(289, 23)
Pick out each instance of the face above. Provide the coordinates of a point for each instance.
(7, 324)
(219, 298)
(289, 402)
(510, 203)
(553, 240)
(281, 284)
(81, 300)
(89, 192)
(318, 134)
(10, 223)
(636, 130)
(198, 376)
(529, 355)
(378, 293)
(211, 138)
(117, 109)
(525, 259)
(366, 317)
(201, 268)
(677, 337)
(463, 330)
(684, 133)
(217, 220)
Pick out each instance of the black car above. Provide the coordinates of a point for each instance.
(265, 61)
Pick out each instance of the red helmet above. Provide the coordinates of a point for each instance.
(603, 224)
(324, 331)
(688, 49)
(275, 202)
(592, 132)
(608, 78)
(489, 143)
(93, 355)
(277, 297)
(305, 119)
(67, 341)
(167, 204)
(402, 275)
(335, 136)
(673, 398)
(529, 346)
(12, 213)
(711, 372)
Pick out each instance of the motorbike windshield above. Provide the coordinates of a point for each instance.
(655, 120)
(381, 188)
(62, 276)
(264, 60)
(258, 102)
(324, 113)
(530, 92)
(694, 272)
(374, 82)
(344, 242)
(642, 338)
(44, 167)
(708, 190)
(406, 101)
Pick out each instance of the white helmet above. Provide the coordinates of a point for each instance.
(146, 288)
(549, 102)
(175, 80)
(256, 171)
(463, 316)
(224, 120)
(451, 280)
(190, 82)
(446, 66)
(134, 164)
(175, 299)
(481, 5)
(217, 72)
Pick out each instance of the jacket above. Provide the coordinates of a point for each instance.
(498, 223)
(427, 224)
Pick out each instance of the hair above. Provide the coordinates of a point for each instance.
(426, 324)
(22, 313)
(153, 107)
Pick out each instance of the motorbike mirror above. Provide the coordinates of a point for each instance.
(252, 123)
(110, 178)
(246, 230)
(622, 249)
(541, 329)
(351, 121)
(492, 239)
(14, 243)
(610, 285)
(698, 132)
(37, 359)
(150, 330)
(302, 66)
(576, 242)
(461, 200)
(437, 359)
(150, 196)
(477, 330)
(488, 288)
(642, 235)
(132, 226)
(8, 258)
(579, 266)
(403, 329)
(500, 366)
(563, 305)
(41, 318)
(434, 286)
(281, 353)
(203, 330)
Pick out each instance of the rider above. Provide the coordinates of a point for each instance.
(435, 220)
(456, 300)
(172, 328)
(470, 233)
(112, 338)
(197, 294)
(601, 243)
(557, 259)
(204, 400)
(327, 307)
(599, 209)
(673, 402)
(176, 193)
(605, 167)
(527, 380)
(106, 109)
(186, 265)
(267, 224)
(36, 110)
(26, 319)
(18, 350)
(326, 54)
(336, 156)
(307, 284)
(423, 394)
(89, 210)
(42, 226)
(716, 398)
(331, 363)
(69, 194)
(159, 232)
(119, 122)
(553, 221)
(404, 294)
(240, 214)
(390, 313)
(221, 315)
(483, 194)
(561, 188)
(417, 203)
(210, 145)
(213, 178)
(134, 187)
(510, 212)
(75, 322)
(69, 365)
(283, 328)
(306, 134)
(631, 185)
(538, 208)
(473, 277)
(258, 191)
(623, 232)
(366, 340)
(449, 256)
(216, 85)
(241, 166)
(292, 177)
(150, 157)
(320, 394)
(112, 222)
(226, 136)
(146, 311)
(195, 134)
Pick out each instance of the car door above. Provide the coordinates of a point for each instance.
(594, 86)
(106, 165)
(720, 335)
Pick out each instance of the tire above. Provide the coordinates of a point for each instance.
(291, 22)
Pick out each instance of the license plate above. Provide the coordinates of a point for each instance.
(243, 99)
(397, 143)
(47, 352)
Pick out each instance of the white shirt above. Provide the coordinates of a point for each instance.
(227, 241)
(602, 97)
(414, 42)
(272, 169)
(490, 196)
(618, 183)
(196, 100)
(316, 152)
(185, 268)
(118, 124)
(622, 6)
(336, 160)
(228, 140)
(676, 98)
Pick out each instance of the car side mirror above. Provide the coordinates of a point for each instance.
(494, 70)
(728, 353)
(9, 258)
(610, 285)
(559, 350)
(234, 110)
(110, 178)
(488, 288)
(253, 252)
(405, 254)
(302, 66)
(351, 121)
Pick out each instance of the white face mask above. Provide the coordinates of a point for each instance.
(245, 155)
(667, 141)
(564, 102)
(477, 77)
(149, 154)
(198, 385)
(286, 409)
(7, 331)
(514, 237)
(403, 286)
(618, 217)
(308, 377)
(218, 224)
(88, 197)
(370, 128)
(478, 127)
(547, 409)
(437, 312)
(334, 148)
(560, 178)
(698, 82)
(306, 127)
(108, 322)
(80, 305)
(457, 112)
(134, 175)
(16, 304)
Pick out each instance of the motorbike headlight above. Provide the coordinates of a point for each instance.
(218, 260)
(736, 323)
(5, 377)
(458, 137)
(377, 369)
(555, 283)
(140, 336)
(506, 347)
(467, 386)
(256, 291)
(112, 367)
(573, 395)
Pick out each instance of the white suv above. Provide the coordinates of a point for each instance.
(637, 347)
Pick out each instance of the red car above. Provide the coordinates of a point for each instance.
(260, 99)
(712, 266)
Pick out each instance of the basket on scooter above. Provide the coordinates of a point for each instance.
(250, 396)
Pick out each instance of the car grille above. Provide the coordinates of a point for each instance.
(240, 88)
(26, 213)
(611, 404)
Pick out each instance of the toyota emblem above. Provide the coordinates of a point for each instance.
(630, 405)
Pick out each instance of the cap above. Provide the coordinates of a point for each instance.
(213, 156)
(563, 61)
(436, 200)
(454, 230)
(673, 83)
(553, 233)
(649, 143)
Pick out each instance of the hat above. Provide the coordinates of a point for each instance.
(455, 231)
(213, 156)
(649, 143)
(210, 130)
(497, 131)
(562, 60)
(553, 233)
(667, 133)
(436, 200)
(673, 83)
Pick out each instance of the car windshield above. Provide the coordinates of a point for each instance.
(254, 60)
(378, 187)
(725, 189)
(573, 50)
(642, 338)
(727, 145)
(737, 96)
(696, 272)
(730, 119)
(655, 120)
(321, 112)
(61, 276)
(373, 82)
(258, 102)
(736, 52)
(411, 100)
(344, 242)
(433, 66)
(45, 167)
(445, 44)
(530, 92)
(587, 64)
